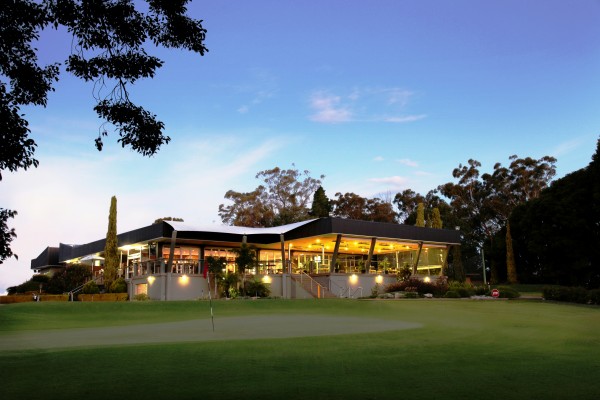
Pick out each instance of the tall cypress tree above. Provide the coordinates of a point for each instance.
(321, 206)
(436, 218)
(420, 215)
(111, 252)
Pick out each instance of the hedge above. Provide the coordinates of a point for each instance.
(571, 294)
(103, 297)
(26, 298)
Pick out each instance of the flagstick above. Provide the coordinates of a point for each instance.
(212, 318)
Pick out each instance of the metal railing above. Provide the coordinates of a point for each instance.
(314, 287)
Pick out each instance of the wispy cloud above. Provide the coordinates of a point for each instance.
(408, 162)
(362, 105)
(403, 119)
(260, 86)
(395, 182)
(378, 159)
(568, 146)
(328, 109)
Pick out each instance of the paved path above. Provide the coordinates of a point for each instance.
(233, 328)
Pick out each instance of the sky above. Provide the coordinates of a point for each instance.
(377, 96)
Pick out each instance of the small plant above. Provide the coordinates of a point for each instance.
(375, 291)
(118, 286)
(452, 294)
(141, 297)
(405, 273)
(232, 293)
(255, 287)
(411, 295)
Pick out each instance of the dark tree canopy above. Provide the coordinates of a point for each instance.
(110, 38)
(556, 235)
(109, 48)
(321, 206)
(175, 219)
(7, 235)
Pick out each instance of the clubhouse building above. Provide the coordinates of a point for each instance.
(325, 257)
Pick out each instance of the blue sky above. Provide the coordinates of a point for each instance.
(377, 96)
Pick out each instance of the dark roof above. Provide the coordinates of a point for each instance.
(216, 233)
(344, 226)
(47, 258)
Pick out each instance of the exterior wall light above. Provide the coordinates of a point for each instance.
(151, 279)
(427, 279)
(184, 280)
(353, 279)
(266, 279)
(379, 279)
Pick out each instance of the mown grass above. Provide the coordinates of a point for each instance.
(465, 350)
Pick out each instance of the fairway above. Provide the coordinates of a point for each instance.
(317, 349)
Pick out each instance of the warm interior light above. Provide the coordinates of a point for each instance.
(184, 280)
(318, 240)
(151, 279)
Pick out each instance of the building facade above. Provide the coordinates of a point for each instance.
(322, 257)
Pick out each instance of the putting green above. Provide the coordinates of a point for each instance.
(226, 328)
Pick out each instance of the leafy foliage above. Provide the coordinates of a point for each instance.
(7, 235)
(255, 287)
(110, 38)
(118, 286)
(353, 206)
(68, 279)
(90, 287)
(438, 288)
(556, 236)
(175, 219)
(32, 285)
(321, 206)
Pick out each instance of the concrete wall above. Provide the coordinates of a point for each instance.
(176, 287)
(171, 287)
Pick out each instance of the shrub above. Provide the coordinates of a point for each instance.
(375, 291)
(90, 288)
(395, 287)
(481, 291)
(255, 287)
(452, 294)
(568, 294)
(594, 296)
(141, 297)
(419, 286)
(463, 289)
(411, 295)
(506, 292)
(118, 286)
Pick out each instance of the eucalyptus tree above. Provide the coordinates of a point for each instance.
(469, 199)
(522, 181)
(283, 198)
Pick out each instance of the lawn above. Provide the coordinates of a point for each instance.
(463, 349)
